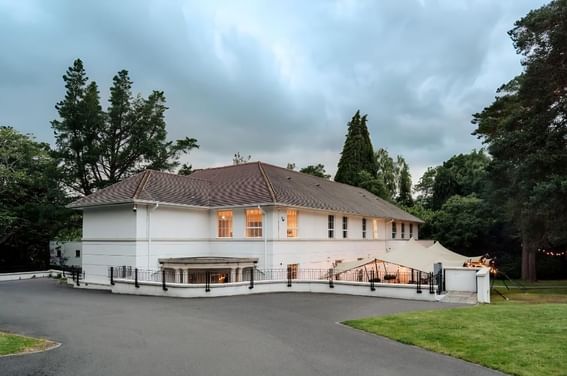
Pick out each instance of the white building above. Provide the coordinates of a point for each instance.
(280, 217)
(65, 253)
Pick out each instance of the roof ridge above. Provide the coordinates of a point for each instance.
(181, 176)
(142, 184)
(267, 181)
(227, 166)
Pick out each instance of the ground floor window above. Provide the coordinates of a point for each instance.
(394, 230)
(363, 228)
(411, 230)
(403, 231)
(345, 227)
(292, 270)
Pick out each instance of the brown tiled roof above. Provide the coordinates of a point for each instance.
(245, 184)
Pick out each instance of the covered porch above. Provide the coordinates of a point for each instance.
(199, 269)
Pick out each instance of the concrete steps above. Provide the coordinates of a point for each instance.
(463, 297)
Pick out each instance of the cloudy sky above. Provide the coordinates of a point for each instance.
(274, 79)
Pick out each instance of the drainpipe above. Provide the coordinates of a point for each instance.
(265, 238)
(386, 233)
(149, 229)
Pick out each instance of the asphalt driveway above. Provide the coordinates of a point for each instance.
(272, 334)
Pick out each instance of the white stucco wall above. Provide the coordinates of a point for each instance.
(461, 279)
(115, 236)
(110, 223)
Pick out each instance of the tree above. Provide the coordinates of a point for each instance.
(374, 185)
(424, 188)
(525, 129)
(461, 224)
(96, 148)
(185, 169)
(33, 201)
(386, 170)
(357, 154)
(403, 182)
(462, 174)
(316, 170)
(239, 159)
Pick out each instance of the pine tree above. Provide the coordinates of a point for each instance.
(357, 154)
(404, 183)
(97, 149)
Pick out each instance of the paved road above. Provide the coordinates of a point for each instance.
(277, 334)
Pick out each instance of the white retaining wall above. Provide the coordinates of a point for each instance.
(28, 275)
(261, 287)
(460, 279)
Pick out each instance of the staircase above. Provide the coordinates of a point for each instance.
(463, 297)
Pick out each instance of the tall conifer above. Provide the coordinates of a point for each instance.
(357, 154)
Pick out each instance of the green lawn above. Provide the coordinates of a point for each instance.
(14, 344)
(531, 292)
(516, 338)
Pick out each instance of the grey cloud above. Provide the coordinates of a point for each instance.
(277, 80)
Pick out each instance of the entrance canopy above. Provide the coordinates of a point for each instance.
(216, 269)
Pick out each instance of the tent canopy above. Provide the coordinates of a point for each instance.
(414, 256)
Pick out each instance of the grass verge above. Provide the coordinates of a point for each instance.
(12, 344)
(519, 339)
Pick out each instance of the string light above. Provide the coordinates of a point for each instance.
(552, 253)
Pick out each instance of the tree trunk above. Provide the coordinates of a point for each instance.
(528, 261)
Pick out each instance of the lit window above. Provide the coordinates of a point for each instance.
(394, 230)
(292, 270)
(403, 231)
(253, 223)
(375, 229)
(291, 223)
(224, 224)
(363, 228)
(411, 230)
(345, 227)
(331, 226)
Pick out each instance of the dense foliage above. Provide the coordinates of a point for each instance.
(33, 201)
(525, 129)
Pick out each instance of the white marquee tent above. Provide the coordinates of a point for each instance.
(413, 256)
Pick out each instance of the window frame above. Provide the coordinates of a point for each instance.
(253, 232)
(229, 221)
(345, 227)
(331, 226)
(394, 230)
(294, 230)
(411, 230)
(403, 231)
(364, 228)
(77, 253)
